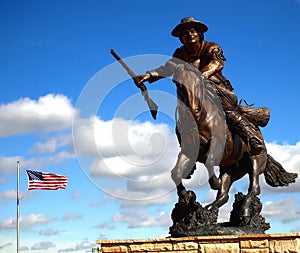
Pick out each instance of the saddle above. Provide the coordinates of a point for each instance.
(257, 116)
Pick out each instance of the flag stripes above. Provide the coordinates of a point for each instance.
(45, 181)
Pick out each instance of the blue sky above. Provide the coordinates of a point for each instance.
(56, 67)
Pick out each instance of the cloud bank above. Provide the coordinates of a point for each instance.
(26, 222)
(48, 113)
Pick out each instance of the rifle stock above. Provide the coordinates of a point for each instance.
(152, 106)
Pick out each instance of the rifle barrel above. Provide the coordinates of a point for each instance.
(152, 106)
(118, 58)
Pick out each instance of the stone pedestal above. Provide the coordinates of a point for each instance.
(266, 243)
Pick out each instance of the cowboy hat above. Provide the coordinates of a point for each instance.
(189, 22)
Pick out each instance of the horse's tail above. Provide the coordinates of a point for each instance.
(276, 175)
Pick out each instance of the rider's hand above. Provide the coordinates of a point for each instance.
(143, 78)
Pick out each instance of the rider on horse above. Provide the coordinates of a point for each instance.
(196, 68)
(208, 58)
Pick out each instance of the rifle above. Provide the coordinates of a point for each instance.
(152, 106)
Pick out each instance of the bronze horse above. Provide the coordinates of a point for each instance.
(205, 137)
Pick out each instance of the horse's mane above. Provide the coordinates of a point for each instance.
(189, 77)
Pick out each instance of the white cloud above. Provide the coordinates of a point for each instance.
(138, 199)
(76, 195)
(48, 113)
(105, 225)
(43, 245)
(140, 154)
(83, 137)
(11, 194)
(160, 220)
(51, 145)
(5, 245)
(141, 218)
(49, 232)
(56, 158)
(122, 138)
(45, 161)
(23, 248)
(25, 221)
(8, 165)
(285, 210)
(210, 196)
(83, 246)
(71, 216)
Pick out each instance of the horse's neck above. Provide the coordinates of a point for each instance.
(197, 93)
(211, 104)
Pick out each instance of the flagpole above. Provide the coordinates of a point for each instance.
(18, 206)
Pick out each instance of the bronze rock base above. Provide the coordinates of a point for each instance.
(194, 220)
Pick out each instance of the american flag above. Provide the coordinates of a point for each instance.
(45, 181)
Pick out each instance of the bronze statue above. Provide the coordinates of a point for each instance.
(205, 97)
(208, 58)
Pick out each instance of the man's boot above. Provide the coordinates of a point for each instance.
(247, 131)
(256, 146)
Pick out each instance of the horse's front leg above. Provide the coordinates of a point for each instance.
(184, 163)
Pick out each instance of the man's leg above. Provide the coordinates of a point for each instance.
(249, 132)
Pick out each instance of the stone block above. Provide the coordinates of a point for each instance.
(285, 246)
(114, 249)
(250, 244)
(185, 246)
(150, 247)
(220, 248)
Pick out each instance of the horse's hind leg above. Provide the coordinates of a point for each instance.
(258, 163)
(258, 166)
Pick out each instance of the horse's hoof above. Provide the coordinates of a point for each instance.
(183, 197)
(246, 220)
(184, 200)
